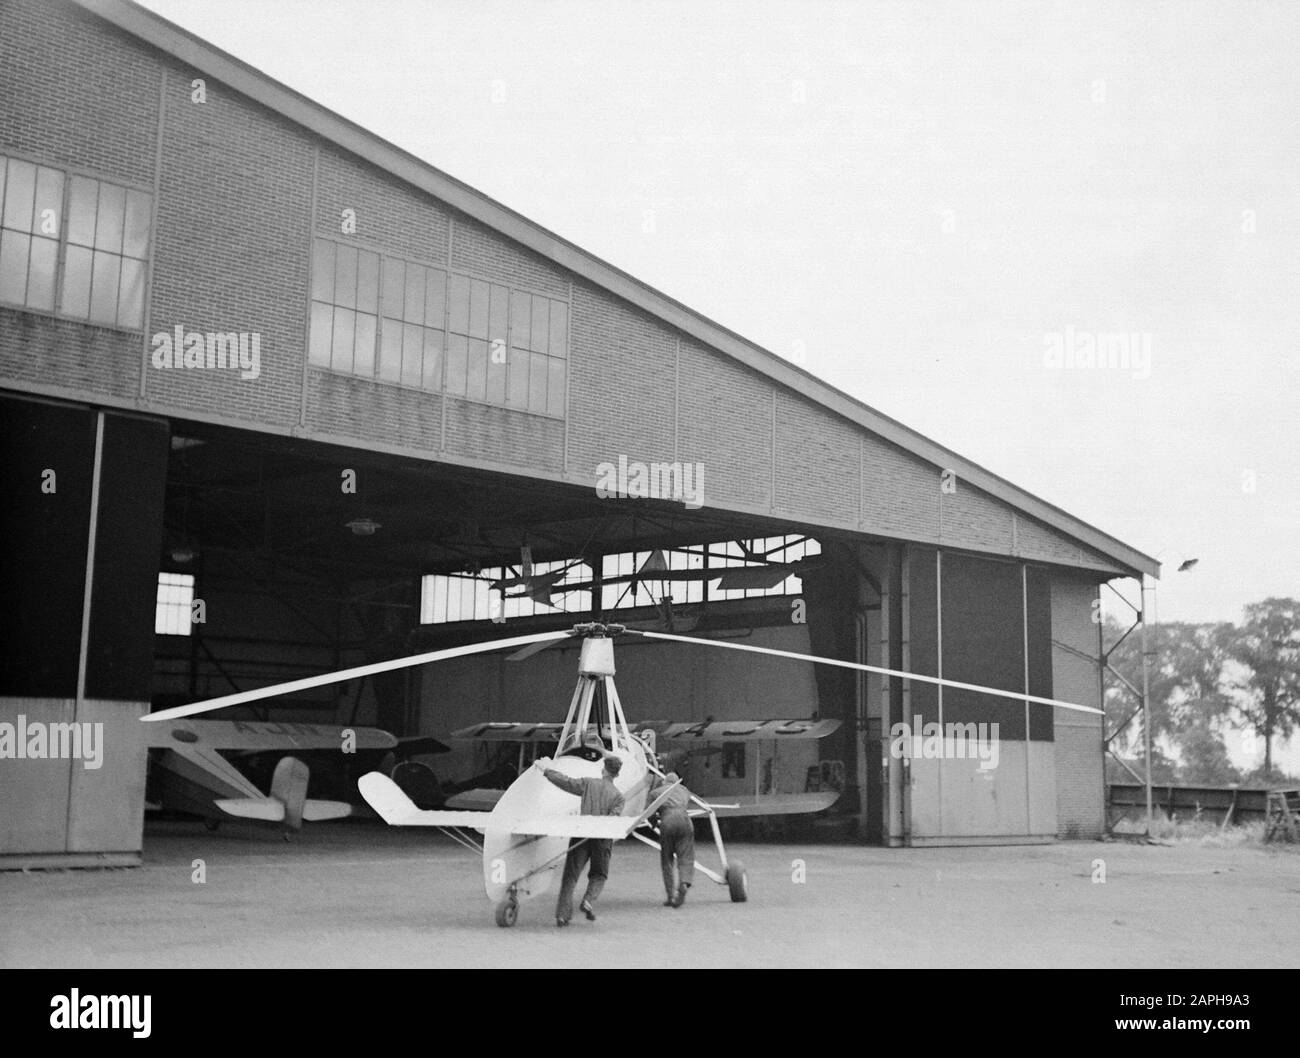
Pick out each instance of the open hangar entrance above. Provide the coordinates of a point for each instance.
(307, 558)
(301, 558)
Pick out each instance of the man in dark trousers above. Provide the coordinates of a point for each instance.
(676, 838)
(600, 797)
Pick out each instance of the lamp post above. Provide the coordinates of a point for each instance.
(1183, 567)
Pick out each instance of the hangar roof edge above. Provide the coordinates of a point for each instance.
(193, 50)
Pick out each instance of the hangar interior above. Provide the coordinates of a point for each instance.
(311, 558)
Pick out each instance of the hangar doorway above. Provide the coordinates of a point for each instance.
(302, 558)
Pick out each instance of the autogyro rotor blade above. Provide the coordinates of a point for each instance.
(349, 674)
(1014, 696)
(535, 648)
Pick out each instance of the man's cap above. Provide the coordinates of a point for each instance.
(613, 764)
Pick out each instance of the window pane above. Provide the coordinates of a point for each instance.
(435, 298)
(478, 309)
(499, 317)
(368, 282)
(390, 355)
(412, 354)
(345, 333)
(103, 288)
(322, 271)
(415, 280)
(135, 238)
(76, 282)
(517, 376)
(559, 329)
(363, 362)
(537, 384)
(541, 324)
(345, 277)
(19, 195)
(130, 298)
(394, 285)
(49, 196)
(496, 374)
(112, 213)
(175, 597)
(456, 363)
(432, 360)
(82, 203)
(322, 330)
(476, 386)
(459, 297)
(555, 390)
(40, 280)
(14, 250)
(520, 312)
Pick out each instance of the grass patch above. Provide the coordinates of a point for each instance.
(1203, 832)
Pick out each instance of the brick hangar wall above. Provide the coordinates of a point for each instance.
(231, 252)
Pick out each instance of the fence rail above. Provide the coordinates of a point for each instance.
(1129, 800)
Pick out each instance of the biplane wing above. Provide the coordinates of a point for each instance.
(508, 732)
(738, 730)
(739, 806)
(259, 736)
(686, 730)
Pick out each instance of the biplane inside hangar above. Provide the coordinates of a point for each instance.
(191, 769)
(752, 748)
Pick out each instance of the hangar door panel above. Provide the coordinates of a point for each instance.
(982, 641)
(988, 772)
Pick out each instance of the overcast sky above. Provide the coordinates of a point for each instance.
(917, 201)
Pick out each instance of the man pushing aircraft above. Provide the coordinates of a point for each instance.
(600, 797)
(676, 838)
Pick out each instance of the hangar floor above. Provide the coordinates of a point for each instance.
(354, 894)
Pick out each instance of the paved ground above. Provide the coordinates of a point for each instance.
(351, 894)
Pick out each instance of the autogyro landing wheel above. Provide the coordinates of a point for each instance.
(737, 883)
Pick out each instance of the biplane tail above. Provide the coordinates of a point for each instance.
(288, 803)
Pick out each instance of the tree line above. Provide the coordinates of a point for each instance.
(1208, 683)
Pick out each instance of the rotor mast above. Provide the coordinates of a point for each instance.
(595, 701)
